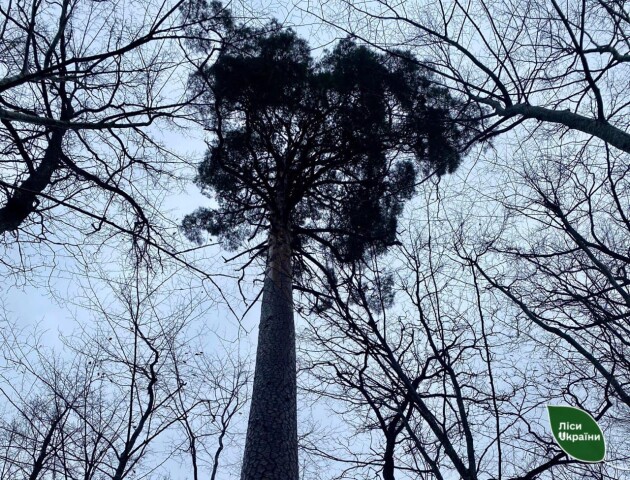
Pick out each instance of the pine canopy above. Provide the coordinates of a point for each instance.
(328, 149)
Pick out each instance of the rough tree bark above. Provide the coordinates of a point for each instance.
(23, 200)
(271, 444)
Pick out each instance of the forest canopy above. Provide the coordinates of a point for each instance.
(411, 239)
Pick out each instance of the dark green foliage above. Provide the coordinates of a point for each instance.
(327, 149)
(203, 20)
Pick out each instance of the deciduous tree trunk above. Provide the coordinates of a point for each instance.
(22, 201)
(271, 444)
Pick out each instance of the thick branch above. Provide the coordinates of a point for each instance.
(601, 129)
(23, 201)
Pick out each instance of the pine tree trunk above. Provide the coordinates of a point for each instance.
(271, 446)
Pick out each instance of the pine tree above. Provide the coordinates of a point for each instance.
(309, 152)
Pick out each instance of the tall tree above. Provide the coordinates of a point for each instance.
(309, 153)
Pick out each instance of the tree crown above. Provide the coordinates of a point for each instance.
(326, 149)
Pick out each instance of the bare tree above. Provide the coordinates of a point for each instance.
(123, 399)
(560, 258)
(544, 230)
(440, 374)
(552, 62)
(82, 85)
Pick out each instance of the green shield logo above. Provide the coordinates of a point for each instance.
(577, 433)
